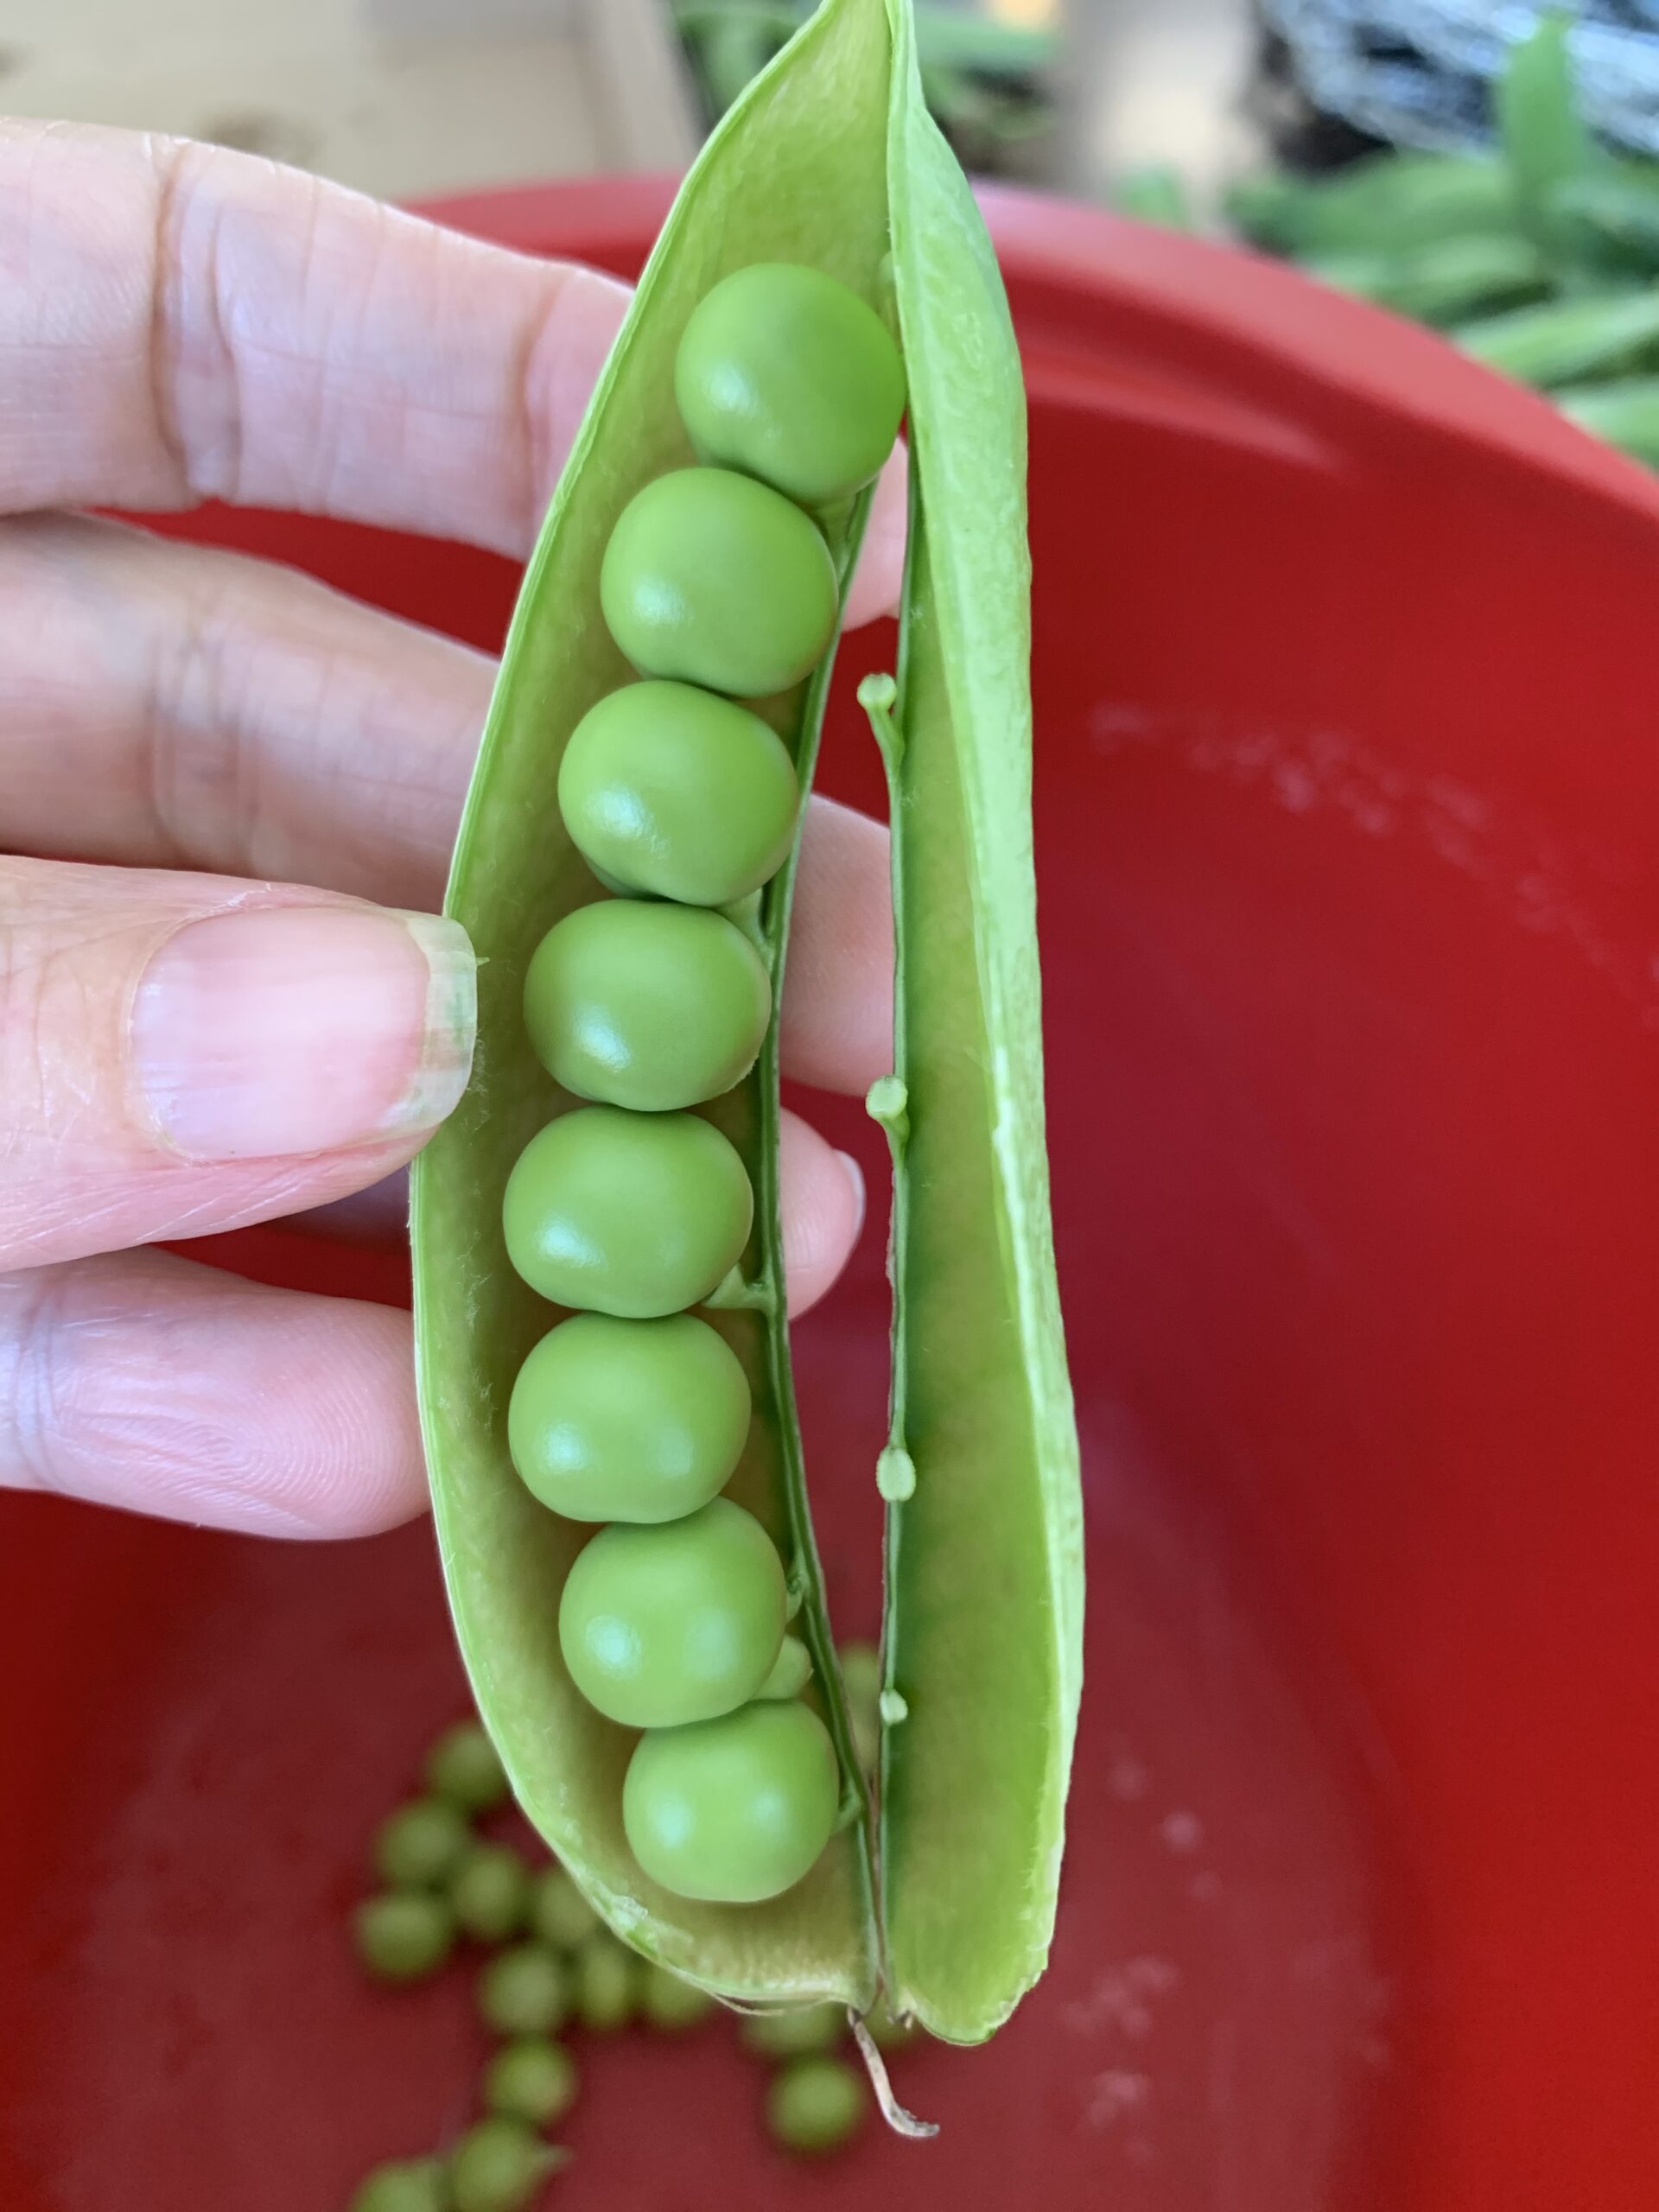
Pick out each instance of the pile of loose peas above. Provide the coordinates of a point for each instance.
(631, 1209)
(553, 1967)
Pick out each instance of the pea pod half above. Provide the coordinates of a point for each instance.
(828, 162)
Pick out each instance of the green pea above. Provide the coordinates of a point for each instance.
(607, 1975)
(405, 1935)
(464, 1767)
(677, 793)
(711, 578)
(422, 1845)
(733, 1810)
(861, 1673)
(500, 2165)
(491, 1892)
(677, 1621)
(525, 1991)
(816, 2104)
(631, 1214)
(887, 2031)
(646, 1006)
(671, 2004)
(802, 2029)
(786, 374)
(792, 1670)
(533, 2080)
(559, 1913)
(629, 1420)
(408, 2185)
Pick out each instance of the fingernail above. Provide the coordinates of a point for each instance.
(283, 1030)
(856, 1177)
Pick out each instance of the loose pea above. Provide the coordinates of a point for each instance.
(559, 1913)
(674, 1623)
(491, 1892)
(803, 2029)
(711, 578)
(408, 2185)
(647, 1006)
(671, 2004)
(533, 2080)
(422, 1845)
(792, 1670)
(816, 2104)
(673, 792)
(464, 1767)
(631, 1214)
(498, 2166)
(629, 1420)
(405, 1935)
(525, 1991)
(786, 374)
(733, 1810)
(607, 1975)
(887, 2031)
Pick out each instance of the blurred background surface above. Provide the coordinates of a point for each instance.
(405, 97)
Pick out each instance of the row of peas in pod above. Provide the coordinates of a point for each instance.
(718, 588)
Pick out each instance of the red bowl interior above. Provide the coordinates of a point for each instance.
(1347, 786)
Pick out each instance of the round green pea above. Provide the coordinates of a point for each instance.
(677, 1622)
(525, 1991)
(816, 2104)
(464, 1767)
(678, 794)
(491, 1892)
(500, 2165)
(671, 2004)
(408, 2185)
(607, 1977)
(629, 1420)
(711, 578)
(422, 1845)
(786, 374)
(559, 1913)
(405, 1935)
(733, 1810)
(646, 1006)
(533, 2080)
(802, 2029)
(632, 1214)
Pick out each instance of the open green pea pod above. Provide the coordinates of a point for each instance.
(830, 159)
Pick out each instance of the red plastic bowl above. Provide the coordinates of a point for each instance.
(1347, 793)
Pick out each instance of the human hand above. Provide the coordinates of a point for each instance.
(235, 1001)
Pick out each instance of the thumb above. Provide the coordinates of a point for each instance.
(185, 1053)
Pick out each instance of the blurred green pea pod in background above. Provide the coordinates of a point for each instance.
(1566, 340)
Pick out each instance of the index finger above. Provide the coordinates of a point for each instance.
(179, 323)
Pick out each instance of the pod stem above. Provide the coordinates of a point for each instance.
(898, 2119)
